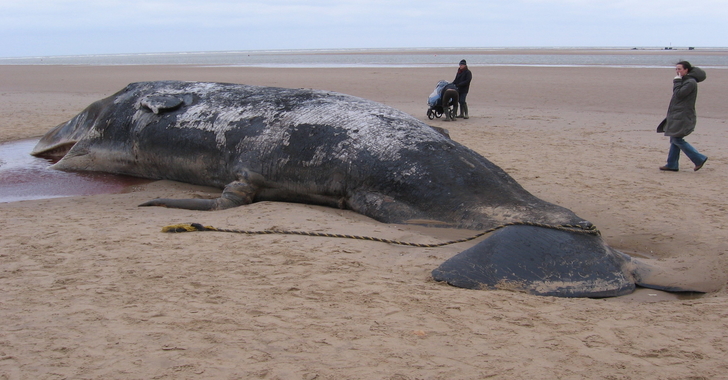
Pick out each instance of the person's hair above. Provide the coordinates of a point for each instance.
(685, 65)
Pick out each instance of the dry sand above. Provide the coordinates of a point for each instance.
(91, 289)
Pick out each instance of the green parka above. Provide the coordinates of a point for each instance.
(681, 116)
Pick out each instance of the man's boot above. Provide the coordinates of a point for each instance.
(464, 110)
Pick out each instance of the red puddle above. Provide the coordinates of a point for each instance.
(24, 177)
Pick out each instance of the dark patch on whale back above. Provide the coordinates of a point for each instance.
(318, 138)
(185, 155)
(311, 162)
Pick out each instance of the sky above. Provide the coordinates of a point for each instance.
(31, 28)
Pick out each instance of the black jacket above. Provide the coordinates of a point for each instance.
(462, 80)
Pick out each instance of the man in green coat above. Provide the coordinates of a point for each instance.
(681, 116)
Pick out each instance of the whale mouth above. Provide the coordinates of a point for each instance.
(53, 152)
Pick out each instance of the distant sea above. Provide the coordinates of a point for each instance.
(434, 57)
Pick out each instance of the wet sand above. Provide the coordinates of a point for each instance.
(90, 287)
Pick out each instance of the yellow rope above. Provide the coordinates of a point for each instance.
(189, 227)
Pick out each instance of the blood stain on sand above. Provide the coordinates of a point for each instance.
(24, 177)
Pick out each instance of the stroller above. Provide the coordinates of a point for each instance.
(437, 109)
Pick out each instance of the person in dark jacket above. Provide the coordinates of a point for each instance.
(462, 80)
(681, 117)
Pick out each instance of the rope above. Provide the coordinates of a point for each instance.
(190, 227)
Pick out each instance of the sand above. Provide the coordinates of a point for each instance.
(91, 289)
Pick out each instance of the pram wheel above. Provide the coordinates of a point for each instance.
(434, 112)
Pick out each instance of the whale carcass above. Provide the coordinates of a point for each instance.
(319, 147)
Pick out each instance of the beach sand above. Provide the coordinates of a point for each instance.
(91, 289)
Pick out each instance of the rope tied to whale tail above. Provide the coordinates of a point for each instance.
(191, 227)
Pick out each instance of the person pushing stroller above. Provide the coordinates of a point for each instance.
(462, 81)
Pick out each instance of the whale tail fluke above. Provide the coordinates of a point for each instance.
(540, 261)
(551, 262)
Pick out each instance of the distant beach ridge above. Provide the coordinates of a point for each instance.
(648, 57)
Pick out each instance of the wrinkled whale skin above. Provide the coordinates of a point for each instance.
(299, 145)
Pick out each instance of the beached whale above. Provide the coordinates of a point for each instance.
(319, 147)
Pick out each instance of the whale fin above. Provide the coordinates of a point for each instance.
(235, 194)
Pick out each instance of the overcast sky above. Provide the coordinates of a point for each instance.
(72, 27)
